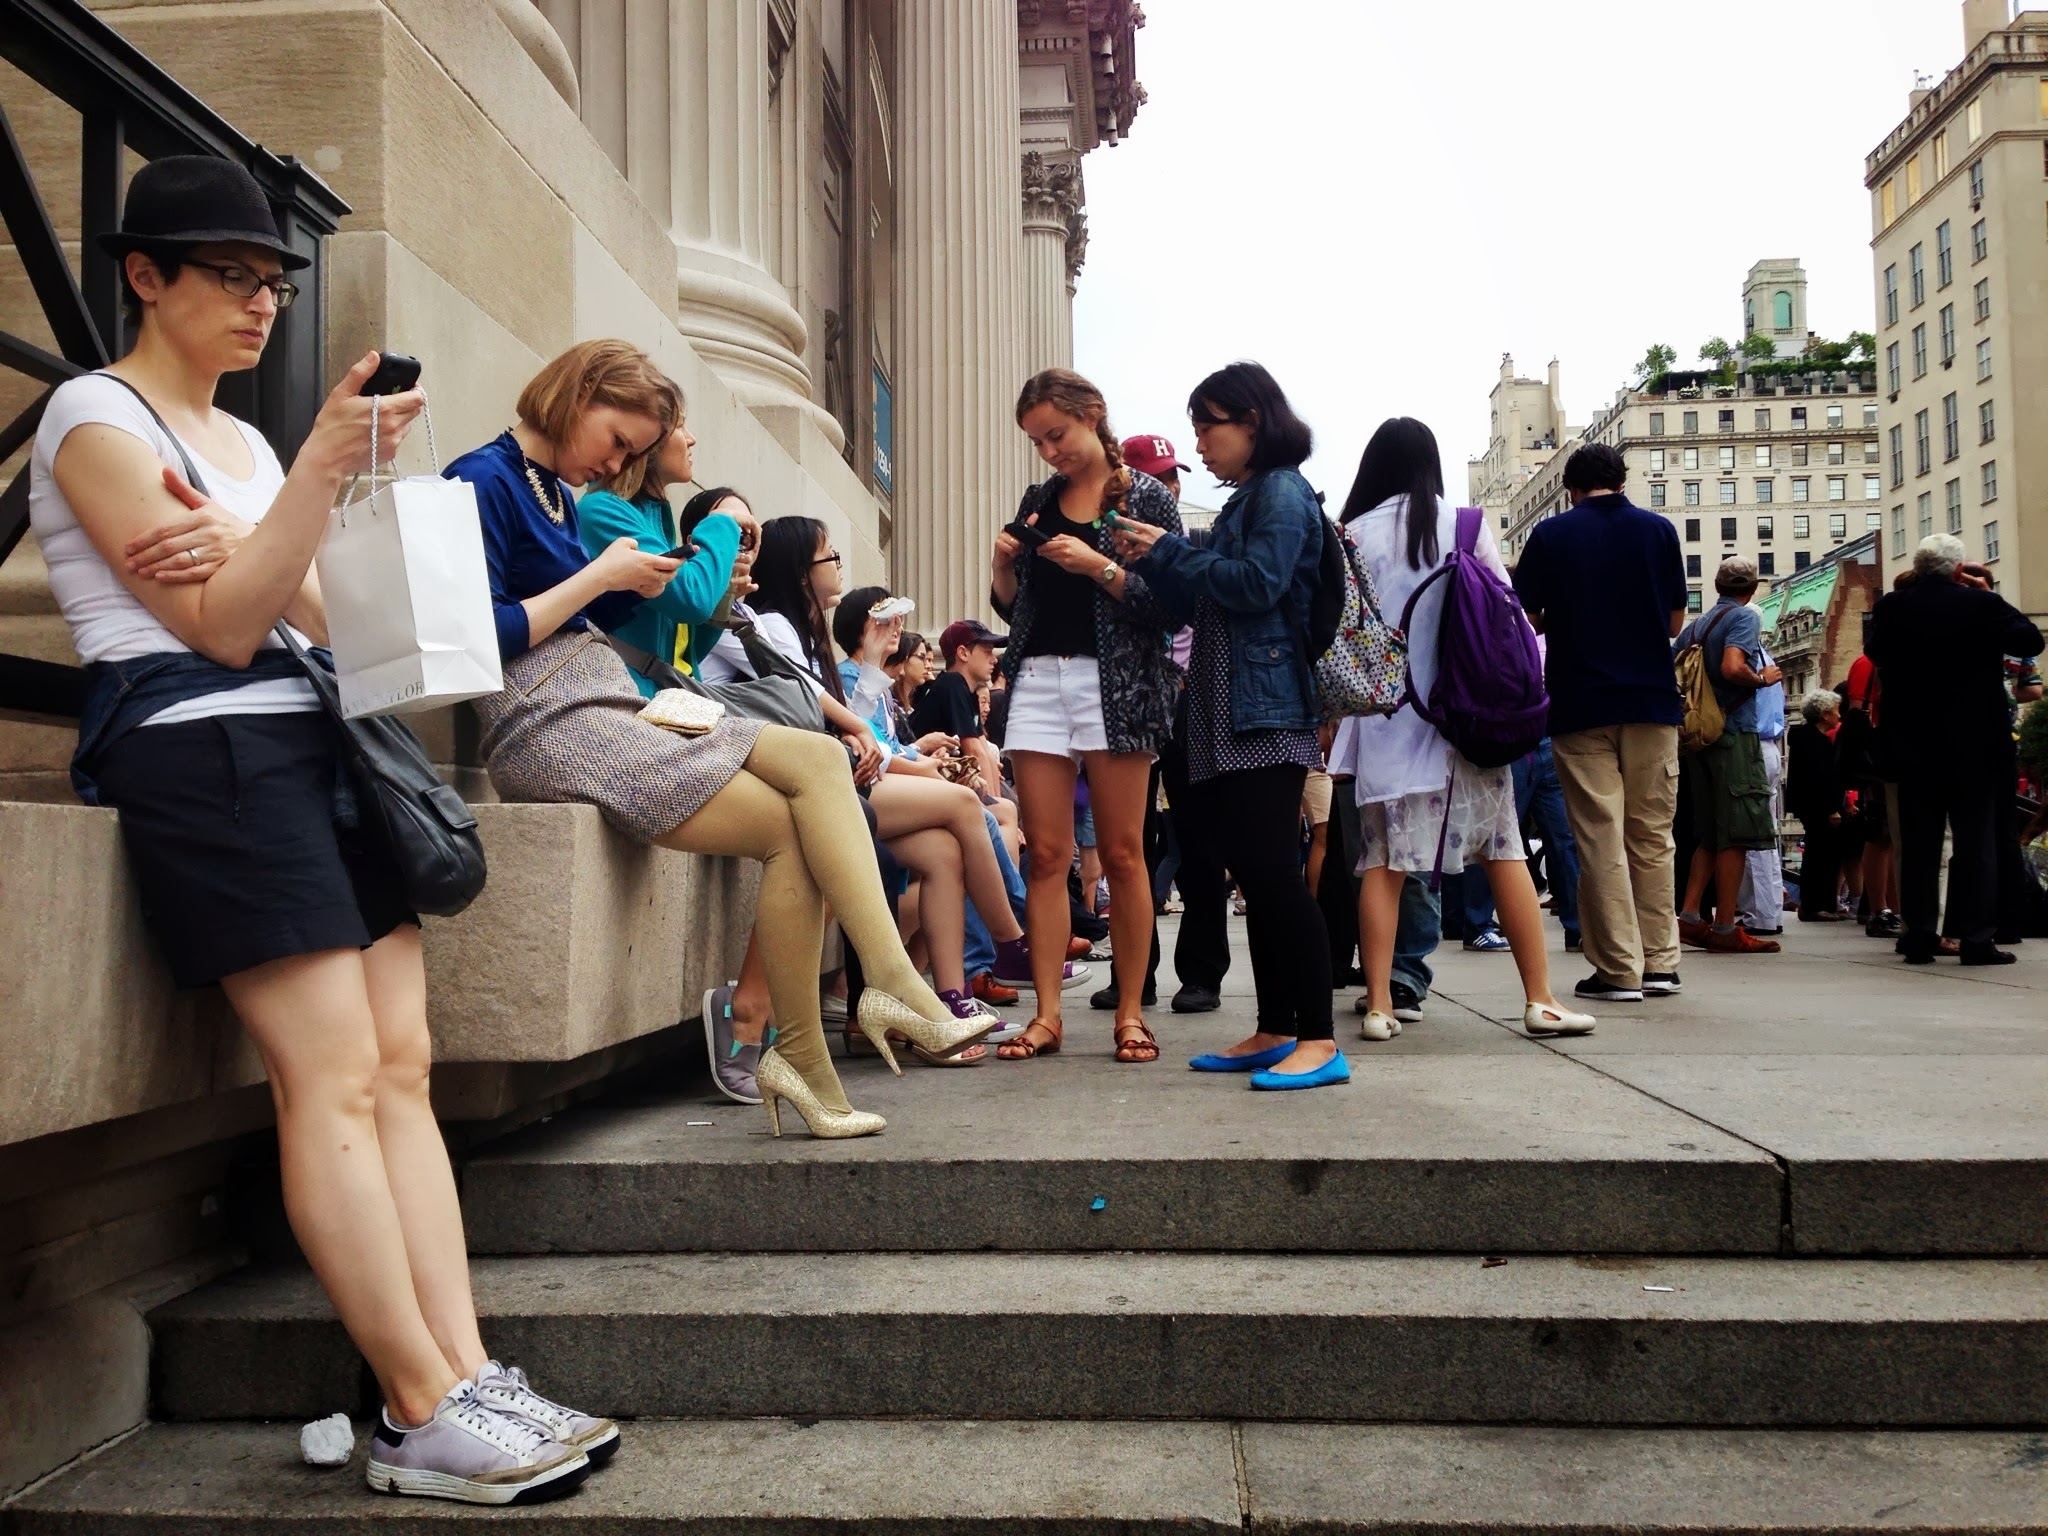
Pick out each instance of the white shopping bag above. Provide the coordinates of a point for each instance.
(408, 597)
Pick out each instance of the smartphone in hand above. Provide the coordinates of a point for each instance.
(1030, 535)
(395, 374)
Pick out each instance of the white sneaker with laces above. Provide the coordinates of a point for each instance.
(471, 1452)
(509, 1392)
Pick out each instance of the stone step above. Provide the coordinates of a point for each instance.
(771, 1477)
(1545, 1340)
(1489, 1153)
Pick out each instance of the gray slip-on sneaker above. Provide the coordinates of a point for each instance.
(732, 1061)
(470, 1452)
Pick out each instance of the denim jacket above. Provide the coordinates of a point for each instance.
(1259, 566)
(120, 695)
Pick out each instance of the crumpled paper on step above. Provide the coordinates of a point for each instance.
(328, 1442)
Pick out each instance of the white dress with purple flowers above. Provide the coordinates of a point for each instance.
(1415, 793)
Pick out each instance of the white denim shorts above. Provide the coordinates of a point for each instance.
(1056, 707)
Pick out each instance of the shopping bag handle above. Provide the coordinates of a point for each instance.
(433, 453)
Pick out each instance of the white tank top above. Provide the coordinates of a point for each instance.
(108, 622)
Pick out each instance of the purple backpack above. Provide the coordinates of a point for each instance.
(1488, 698)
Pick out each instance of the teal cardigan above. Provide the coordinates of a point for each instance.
(672, 626)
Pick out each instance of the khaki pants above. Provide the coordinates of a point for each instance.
(1621, 791)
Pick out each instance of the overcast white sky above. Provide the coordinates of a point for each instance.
(1376, 198)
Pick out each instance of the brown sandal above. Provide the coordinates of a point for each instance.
(1024, 1047)
(1133, 1037)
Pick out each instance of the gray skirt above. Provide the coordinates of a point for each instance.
(567, 726)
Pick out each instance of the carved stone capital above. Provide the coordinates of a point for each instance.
(1052, 188)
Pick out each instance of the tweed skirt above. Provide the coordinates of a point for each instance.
(566, 727)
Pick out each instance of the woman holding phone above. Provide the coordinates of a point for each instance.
(206, 737)
(1091, 682)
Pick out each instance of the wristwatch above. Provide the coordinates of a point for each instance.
(1108, 573)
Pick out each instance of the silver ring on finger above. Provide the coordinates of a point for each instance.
(190, 558)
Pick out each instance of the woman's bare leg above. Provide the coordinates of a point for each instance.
(1117, 785)
(1045, 793)
(415, 1156)
(1379, 915)
(904, 804)
(942, 901)
(751, 1003)
(311, 1020)
(1521, 920)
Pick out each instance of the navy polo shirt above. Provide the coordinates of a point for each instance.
(1606, 576)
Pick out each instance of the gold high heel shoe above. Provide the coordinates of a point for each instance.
(879, 1013)
(777, 1079)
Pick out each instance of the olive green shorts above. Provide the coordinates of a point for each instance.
(1731, 796)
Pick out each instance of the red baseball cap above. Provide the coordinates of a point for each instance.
(1153, 455)
(962, 633)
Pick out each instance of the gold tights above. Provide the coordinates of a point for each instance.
(793, 807)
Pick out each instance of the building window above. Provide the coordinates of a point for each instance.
(1763, 418)
(1980, 242)
(1691, 422)
(1801, 559)
(1873, 487)
(1923, 444)
(1763, 455)
(1656, 423)
(1727, 456)
(1925, 507)
(1801, 488)
(1692, 600)
(1727, 493)
(1838, 526)
(1891, 294)
(1944, 256)
(1952, 495)
(1692, 493)
(1973, 125)
(1990, 483)
(1799, 455)
(1920, 350)
(1781, 310)
(1692, 566)
(1765, 491)
(1976, 181)
(1951, 429)
(1657, 494)
(1916, 275)
(1802, 526)
(1656, 461)
(1898, 530)
(1912, 181)
(1727, 530)
(1725, 420)
(1872, 521)
(1798, 418)
(1838, 487)
(1870, 448)
(1891, 368)
(1898, 455)
(1870, 419)
(1766, 563)
(1888, 202)
(1763, 529)
(1991, 541)
(1692, 530)
(1948, 335)
(1984, 359)
(1838, 453)
(1983, 295)
(1987, 423)
(1689, 458)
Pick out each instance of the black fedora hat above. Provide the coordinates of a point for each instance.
(196, 200)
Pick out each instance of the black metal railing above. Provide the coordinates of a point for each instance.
(126, 102)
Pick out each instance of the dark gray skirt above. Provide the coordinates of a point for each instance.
(566, 727)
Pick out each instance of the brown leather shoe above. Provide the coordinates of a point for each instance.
(1739, 942)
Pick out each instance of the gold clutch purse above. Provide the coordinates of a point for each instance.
(684, 712)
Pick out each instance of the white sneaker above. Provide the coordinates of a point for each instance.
(469, 1451)
(509, 1392)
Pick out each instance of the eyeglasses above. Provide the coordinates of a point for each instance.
(243, 283)
(835, 558)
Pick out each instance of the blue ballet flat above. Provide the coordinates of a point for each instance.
(1335, 1070)
(1251, 1063)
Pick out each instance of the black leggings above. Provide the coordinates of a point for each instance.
(1251, 822)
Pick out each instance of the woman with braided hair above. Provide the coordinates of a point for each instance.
(1092, 684)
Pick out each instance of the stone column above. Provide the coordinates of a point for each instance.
(730, 305)
(958, 295)
(1052, 202)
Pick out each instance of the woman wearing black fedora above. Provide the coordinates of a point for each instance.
(204, 734)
